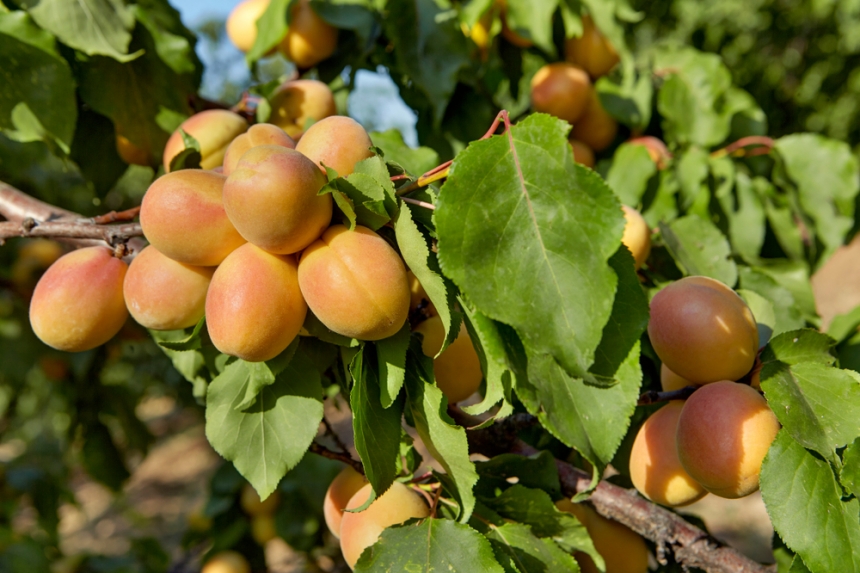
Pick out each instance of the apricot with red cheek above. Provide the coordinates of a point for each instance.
(213, 129)
(562, 90)
(257, 135)
(595, 127)
(242, 23)
(309, 39)
(637, 235)
(657, 150)
(254, 308)
(592, 51)
(338, 142)
(345, 485)
(78, 303)
(458, 369)
(298, 104)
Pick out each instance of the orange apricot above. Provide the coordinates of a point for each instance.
(622, 549)
(254, 308)
(251, 503)
(703, 331)
(595, 128)
(78, 304)
(562, 90)
(670, 381)
(591, 51)
(582, 154)
(131, 153)
(654, 466)
(213, 129)
(338, 142)
(657, 150)
(298, 104)
(355, 283)
(345, 485)
(163, 294)
(309, 39)
(637, 235)
(226, 562)
(242, 23)
(458, 369)
(257, 135)
(182, 215)
(724, 431)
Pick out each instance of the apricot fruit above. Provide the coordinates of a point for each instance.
(250, 501)
(582, 154)
(34, 257)
(637, 235)
(163, 294)
(338, 142)
(271, 198)
(509, 34)
(703, 331)
(227, 562)
(131, 153)
(458, 369)
(242, 23)
(254, 308)
(263, 528)
(309, 39)
(480, 31)
(591, 51)
(298, 104)
(670, 381)
(355, 283)
(654, 466)
(724, 431)
(257, 135)
(562, 90)
(345, 485)
(623, 550)
(418, 296)
(595, 128)
(359, 531)
(657, 150)
(78, 303)
(182, 215)
(213, 129)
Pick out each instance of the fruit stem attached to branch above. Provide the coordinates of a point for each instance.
(653, 396)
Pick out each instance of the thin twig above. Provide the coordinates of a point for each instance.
(323, 451)
(114, 217)
(653, 396)
(424, 204)
(765, 143)
(329, 430)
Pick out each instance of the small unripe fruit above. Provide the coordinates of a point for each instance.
(458, 369)
(670, 381)
(338, 142)
(254, 308)
(78, 303)
(355, 283)
(298, 104)
(582, 154)
(242, 23)
(592, 51)
(263, 528)
(654, 466)
(309, 39)
(163, 294)
(562, 90)
(345, 485)
(213, 129)
(637, 236)
(257, 135)
(595, 127)
(358, 531)
(182, 215)
(227, 562)
(724, 431)
(703, 331)
(272, 199)
(623, 550)
(251, 503)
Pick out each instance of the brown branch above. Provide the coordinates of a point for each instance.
(16, 205)
(424, 204)
(653, 396)
(329, 430)
(114, 217)
(344, 457)
(110, 234)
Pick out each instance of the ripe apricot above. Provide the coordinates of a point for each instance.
(309, 39)
(703, 331)
(355, 283)
(637, 236)
(582, 154)
(251, 503)
(562, 90)
(131, 153)
(271, 198)
(595, 128)
(298, 104)
(657, 150)
(257, 135)
(182, 215)
(254, 308)
(163, 294)
(78, 304)
(227, 562)
(623, 550)
(591, 51)
(359, 531)
(213, 129)
(724, 432)
(345, 485)
(338, 142)
(654, 466)
(458, 369)
(670, 381)
(242, 23)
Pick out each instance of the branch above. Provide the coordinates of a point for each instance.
(653, 396)
(110, 234)
(344, 457)
(16, 205)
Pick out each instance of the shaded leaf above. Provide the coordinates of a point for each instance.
(391, 357)
(518, 549)
(700, 249)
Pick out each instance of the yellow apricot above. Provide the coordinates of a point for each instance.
(637, 236)
(257, 135)
(263, 528)
(182, 215)
(703, 331)
(562, 90)
(271, 198)
(227, 562)
(254, 308)
(479, 33)
(251, 503)
(163, 294)
(78, 304)
(591, 51)
(582, 154)
(670, 381)
(623, 550)
(345, 485)
(359, 531)
(309, 39)
(298, 104)
(595, 128)
(213, 129)
(338, 142)
(724, 431)
(355, 283)
(418, 297)
(242, 23)
(458, 369)
(131, 153)
(654, 466)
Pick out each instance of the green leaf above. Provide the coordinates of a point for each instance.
(798, 566)
(700, 248)
(415, 161)
(271, 29)
(356, 15)
(532, 20)
(445, 440)
(518, 221)
(95, 27)
(844, 325)
(191, 342)
(376, 429)
(270, 437)
(800, 346)
(538, 471)
(629, 101)
(317, 329)
(191, 364)
(365, 198)
(173, 41)
(490, 347)
(432, 545)
(101, 457)
(746, 215)
(631, 169)
(518, 549)
(762, 310)
(785, 309)
(692, 170)
(262, 374)
(391, 356)
(850, 475)
(805, 504)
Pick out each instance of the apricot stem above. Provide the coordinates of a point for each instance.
(329, 430)
(424, 204)
(653, 396)
(737, 148)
